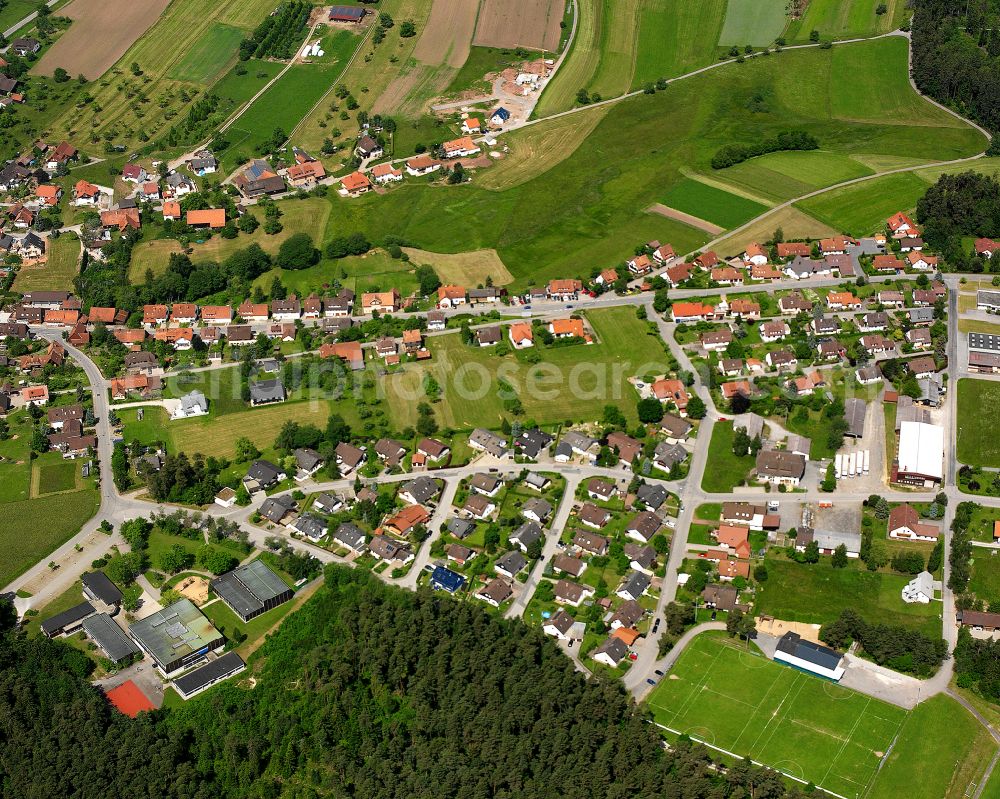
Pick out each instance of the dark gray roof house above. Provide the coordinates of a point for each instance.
(103, 631)
(97, 586)
(350, 536)
(274, 509)
(308, 460)
(264, 473)
(461, 528)
(634, 585)
(531, 442)
(265, 392)
(420, 490)
(537, 509)
(652, 496)
(311, 526)
(510, 564)
(68, 620)
(526, 535)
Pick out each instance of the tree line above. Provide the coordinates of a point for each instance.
(366, 691)
(732, 154)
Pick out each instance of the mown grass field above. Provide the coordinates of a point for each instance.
(711, 204)
(862, 209)
(810, 728)
(116, 111)
(985, 582)
(35, 527)
(782, 176)
(926, 764)
(57, 476)
(728, 470)
(816, 593)
(581, 62)
(644, 146)
(675, 37)
(301, 216)
(756, 22)
(280, 107)
(205, 61)
(978, 407)
(793, 223)
(56, 273)
(571, 383)
(842, 19)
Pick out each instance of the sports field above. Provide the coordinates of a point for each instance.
(756, 22)
(978, 407)
(863, 208)
(204, 61)
(807, 727)
(711, 204)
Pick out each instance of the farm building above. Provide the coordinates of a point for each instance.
(346, 14)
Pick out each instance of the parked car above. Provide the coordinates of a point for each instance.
(658, 673)
(633, 656)
(651, 681)
(656, 625)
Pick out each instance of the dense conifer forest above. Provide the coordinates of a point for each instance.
(367, 691)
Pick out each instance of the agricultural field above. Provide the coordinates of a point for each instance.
(368, 77)
(844, 19)
(481, 61)
(756, 22)
(978, 406)
(711, 204)
(534, 24)
(676, 37)
(592, 198)
(56, 477)
(926, 764)
(863, 208)
(55, 274)
(624, 347)
(298, 216)
(812, 729)
(464, 268)
(204, 62)
(619, 35)
(785, 175)
(793, 223)
(99, 35)
(535, 150)
(127, 106)
(280, 107)
(816, 593)
(580, 64)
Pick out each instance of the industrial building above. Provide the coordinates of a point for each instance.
(920, 459)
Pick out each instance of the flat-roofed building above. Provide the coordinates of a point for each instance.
(176, 637)
(204, 677)
(251, 589)
(102, 630)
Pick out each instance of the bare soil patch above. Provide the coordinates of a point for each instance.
(101, 32)
(687, 219)
(520, 23)
(447, 37)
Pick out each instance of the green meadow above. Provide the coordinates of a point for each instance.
(711, 204)
(863, 208)
(756, 22)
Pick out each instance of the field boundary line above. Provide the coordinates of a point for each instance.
(742, 757)
(757, 707)
(847, 740)
(776, 715)
(700, 686)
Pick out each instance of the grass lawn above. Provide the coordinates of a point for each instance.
(481, 60)
(69, 598)
(810, 728)
(711, 204)
(571, 383)
(978, 406)
(594, 194)
(756, 22)
(675, 37)
(816, 594)
(209, 55)
(728, 470)
(227, 622)
(848, 18)
(55, 274)
(35, 527)
(298, 216)
(862, 209)
(782, 176)
(281, 106)
(926, 764)
(57, 476)
(985, 582)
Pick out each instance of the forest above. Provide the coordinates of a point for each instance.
(956, 56)
(366, 691)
